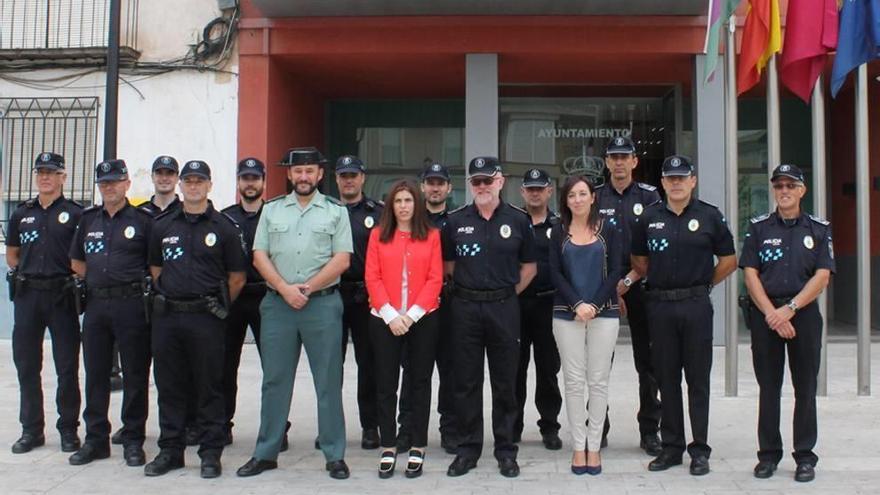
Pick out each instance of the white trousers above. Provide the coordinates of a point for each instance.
(586, 352)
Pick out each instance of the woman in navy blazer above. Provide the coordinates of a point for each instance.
(404, 275)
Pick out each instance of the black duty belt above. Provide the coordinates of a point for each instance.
(133, 289)
(538, 293)
(55, 283)
(677, 294)
(318, 293)
(186, 305)
(484, 295)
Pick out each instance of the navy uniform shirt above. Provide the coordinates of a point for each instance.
(247, 221)
(153, 209)
(681, 249)
(364, 215)
(542, 281)
(43, 236)
(438, 219)
(623, 209)
(196, 252)
(787, 254)
(113, 248)
(488, 253)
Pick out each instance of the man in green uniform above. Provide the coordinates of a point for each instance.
(301, 247)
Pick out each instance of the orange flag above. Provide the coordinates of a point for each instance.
(762, 37)
(810, 33)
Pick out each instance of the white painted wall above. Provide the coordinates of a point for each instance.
(186, 114)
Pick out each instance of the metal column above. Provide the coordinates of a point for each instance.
(731, 154)
(774, 148)
(863, 234)
(111, 105)
(820, 207)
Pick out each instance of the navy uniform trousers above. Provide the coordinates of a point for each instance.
(34, 311)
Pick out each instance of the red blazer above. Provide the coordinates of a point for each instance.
(383, 273)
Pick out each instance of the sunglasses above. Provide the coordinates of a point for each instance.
(788, 185)
(482, 181)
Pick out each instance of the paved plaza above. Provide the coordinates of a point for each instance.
(849, 446)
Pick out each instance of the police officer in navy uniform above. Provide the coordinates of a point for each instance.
(109, 252)
(364, 214)
(489, 249)
(40, 232)
(787, 260)
(674, 244)
(197, 260)
(622, 201)
(536, 318)
(245, 312)
(165, 176)
(436, 186)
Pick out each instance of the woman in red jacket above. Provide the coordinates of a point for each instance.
(404, 274)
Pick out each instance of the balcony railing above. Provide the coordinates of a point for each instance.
(35, 26)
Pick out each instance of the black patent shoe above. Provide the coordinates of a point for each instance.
(134, 455)
(256, 466)
(88, 453)
(370, 439)
(338, 469)
(804, 472)
(387, 463)
(27, 443)
(414, 463)
(663, 462)
(460, 466)
(651, 444)
(765, 469)
(70, 441)
(211, 467)
(163, 463)
(508, 467)
(551, 440)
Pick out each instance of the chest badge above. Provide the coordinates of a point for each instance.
(210, 239)
(128, 232)
(548, 233)
(808, 242)
(505, 231)
(369, 222)
(63, 217)
(638, 209)
(693, 225)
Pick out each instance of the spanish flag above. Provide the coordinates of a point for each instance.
(762, 37)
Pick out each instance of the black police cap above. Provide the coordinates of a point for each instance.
(302, 156)
(436, 170)
(677, 165)
(620, 146)
(111, 170)
(165, 162)
(349, 164)
(251, 166)
(536, 178)
(50, 161)
(484, 165)
(793, 172)
(197, 168)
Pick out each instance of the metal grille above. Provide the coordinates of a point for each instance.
(59, 24)
(28, 126)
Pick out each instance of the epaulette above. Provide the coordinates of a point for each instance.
(460, 208)
(74, 202)
(647, 187)
(165, 213)
(30, 203)
(708, 204)
(554, 218)
(333, 200)
(226, 216)
(517, 208)
(276, 198)
(92, 209)
(144, 212)
(371, 204)
(818, 220)
(760, 218)
(228, 208)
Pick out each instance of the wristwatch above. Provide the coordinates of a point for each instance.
(627, 282)
(792, 306)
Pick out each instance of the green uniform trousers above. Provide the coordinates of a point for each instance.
(285, 331)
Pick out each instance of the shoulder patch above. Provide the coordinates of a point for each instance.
(819, 220)
(760, 218)
(646, 187)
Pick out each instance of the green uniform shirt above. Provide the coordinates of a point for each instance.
(300, 241)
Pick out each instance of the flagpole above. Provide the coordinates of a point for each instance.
(774, 153)
(820, 208)
(863, 234)
(731, 336)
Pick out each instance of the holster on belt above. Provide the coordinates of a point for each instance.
(80, 295)
(160, 304)
(12, 281)
(745, 305)
(147, 296)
